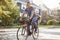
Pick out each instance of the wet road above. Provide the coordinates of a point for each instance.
(44, 34)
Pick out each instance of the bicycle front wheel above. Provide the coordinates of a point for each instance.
(36, 34)
(21, 33)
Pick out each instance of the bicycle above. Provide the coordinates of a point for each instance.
(22, 31)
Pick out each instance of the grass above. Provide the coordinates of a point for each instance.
(50, 26)
(47, 26)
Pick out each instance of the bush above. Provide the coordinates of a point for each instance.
(52, 22)
(8, 12)
(59, 23)
(43, 23)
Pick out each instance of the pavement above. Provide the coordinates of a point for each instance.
(44, 34)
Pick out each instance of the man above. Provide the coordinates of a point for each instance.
(31, 17)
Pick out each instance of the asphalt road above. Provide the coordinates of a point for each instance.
(44, 34)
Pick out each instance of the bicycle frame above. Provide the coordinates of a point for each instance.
(25, 31)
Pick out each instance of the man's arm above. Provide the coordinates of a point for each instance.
(23, 15)
(32, 14)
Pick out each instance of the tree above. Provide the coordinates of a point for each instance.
(9, 12)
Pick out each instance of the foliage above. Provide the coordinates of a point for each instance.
(53, 22)
(9, 12)
(43, 23)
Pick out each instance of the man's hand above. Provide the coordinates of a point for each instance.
(20, 19)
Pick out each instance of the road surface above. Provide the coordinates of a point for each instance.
(44, 34)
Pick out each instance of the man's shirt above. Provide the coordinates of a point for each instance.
(29, 11)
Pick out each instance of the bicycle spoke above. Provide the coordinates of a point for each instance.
(21, 33)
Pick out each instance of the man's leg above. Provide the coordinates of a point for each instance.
(35, 26)
(34, 23)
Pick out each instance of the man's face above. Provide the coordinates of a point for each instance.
(28, 5)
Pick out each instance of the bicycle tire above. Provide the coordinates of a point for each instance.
(34, 34)
(18, 33)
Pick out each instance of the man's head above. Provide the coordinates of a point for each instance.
(28, 4)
